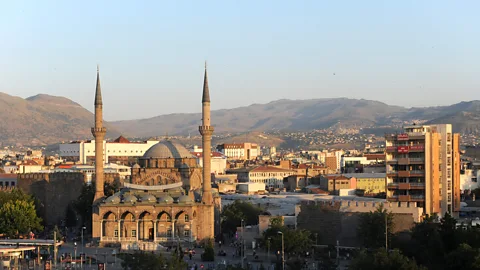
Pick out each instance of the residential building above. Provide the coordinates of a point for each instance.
(242, 151)
(272, 177)
(423, 166)
(371, 183)
(8, 180)
(335, 182)
(218, 160)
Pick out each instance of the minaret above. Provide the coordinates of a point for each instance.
(206, 131)
(99, 133)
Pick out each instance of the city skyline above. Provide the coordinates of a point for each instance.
(151, 56)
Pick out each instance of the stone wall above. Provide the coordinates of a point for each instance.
(334, 221)
(55, 191)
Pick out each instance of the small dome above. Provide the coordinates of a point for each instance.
(115, 198)
(165, 199)
(129, 199)
(148, 198)
(185, 199)
(167, 149)
(136, 166)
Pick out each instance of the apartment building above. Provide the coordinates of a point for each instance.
(272, 177)
(242, 151)
(423, 166)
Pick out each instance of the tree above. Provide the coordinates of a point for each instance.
(19, 218)
(448, 232)
(70, 216)
(371, 228)
(58, 233)
(209, 253)
(464, 257)
(111, 188)
(383, 260)
(296, 241)
(233, 214)
(144, 260)
(83, 204)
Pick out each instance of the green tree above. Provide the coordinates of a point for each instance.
(70, 216)
(383, 260)
(111, 188)
(371, 228)
(19, 218)
(209, 253)
(295, 241)
(233, 214)
(83, 204)
(464, 257)
(58, 232)
(144, 260)
(15, 194)
(448, 232)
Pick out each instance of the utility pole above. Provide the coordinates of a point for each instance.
(283, 251)
(242, 250)
(55, 249)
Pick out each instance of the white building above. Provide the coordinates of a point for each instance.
(469, 180)
(118, 150)
(218, 162)
(242, 151)
(250, 188)
(272, 177)
(125, 172)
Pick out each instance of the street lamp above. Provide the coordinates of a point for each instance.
(83, 228)
(268, 247)
(75, 252)
(283, 250)
(242, 251)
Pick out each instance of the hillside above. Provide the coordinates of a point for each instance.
(43, 119)
(307, 115)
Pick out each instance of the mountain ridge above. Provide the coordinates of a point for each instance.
(44, 119)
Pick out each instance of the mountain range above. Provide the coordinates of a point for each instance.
(45, 119)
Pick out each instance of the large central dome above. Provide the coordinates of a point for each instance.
(167, 149)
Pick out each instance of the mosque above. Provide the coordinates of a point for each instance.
(169, 198)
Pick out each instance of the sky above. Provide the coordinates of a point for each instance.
(151, 53)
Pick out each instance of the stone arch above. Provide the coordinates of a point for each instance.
(128, 225)
(164, 216)
(145, 226)
(164, 226)
(108, 224)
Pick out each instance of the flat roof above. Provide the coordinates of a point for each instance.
(28, 242)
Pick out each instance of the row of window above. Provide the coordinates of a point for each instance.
(7, 184)
(186, 233)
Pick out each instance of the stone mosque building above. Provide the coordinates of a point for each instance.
(169, 199)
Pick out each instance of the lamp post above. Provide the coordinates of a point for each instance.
(283, 250)
(75, 253)
(242, 245)
(268, 247)
(82, 254)
(83, 228)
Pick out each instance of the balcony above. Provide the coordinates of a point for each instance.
(417, 198)
(406, 186)
(417, 148)
(393, 160)
(406, 198)
(407, 161)
(391, 149)
(391, 173)
(417, 173)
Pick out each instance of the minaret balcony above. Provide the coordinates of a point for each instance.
(206, 130)
(99, 131)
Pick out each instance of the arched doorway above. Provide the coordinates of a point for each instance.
(145, 227)
(109, 227)
(128, 226)
(164, 226)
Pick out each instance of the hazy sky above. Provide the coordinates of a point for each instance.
(151, 53)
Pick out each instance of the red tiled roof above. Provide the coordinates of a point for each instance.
(121, 139)
(319, 191)
(374, 156)
(29, 162)
(8, 175)
(337, 177)
(64, 166)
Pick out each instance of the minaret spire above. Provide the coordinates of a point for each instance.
(98, 90)
(206, 92)
(98, 131)
(206, 130)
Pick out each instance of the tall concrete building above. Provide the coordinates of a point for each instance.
(99, 133)
(423, 166)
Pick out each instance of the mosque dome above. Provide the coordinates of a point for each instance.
(136, 166)
(185, 199)
(167, 149)
(148, 198)
(129, 199)
(165, 199)
(115, 198)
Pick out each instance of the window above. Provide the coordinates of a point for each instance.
(134, 233)
(115, 233)
(186, 233)
(187, 218)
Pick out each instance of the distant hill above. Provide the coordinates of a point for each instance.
(43, 119)
(307, 115)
